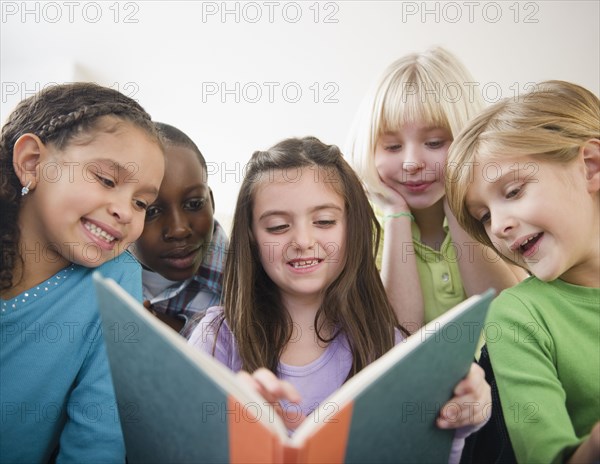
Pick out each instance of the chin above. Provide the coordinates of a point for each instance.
(178, 276)
(93, 261)
(546, 276)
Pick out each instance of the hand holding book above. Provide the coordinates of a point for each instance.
(273, 390)
(467, 407)
(384, 411)
(472, 395)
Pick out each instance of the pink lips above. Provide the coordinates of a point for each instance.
(416, 186)
(527, 245)
(101, 242)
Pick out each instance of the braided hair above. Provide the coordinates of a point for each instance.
(56, 115)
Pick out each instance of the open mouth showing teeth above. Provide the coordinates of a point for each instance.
(529, 243)
(98, 232)
(306, 263)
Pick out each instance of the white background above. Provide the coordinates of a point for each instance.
(241, 76)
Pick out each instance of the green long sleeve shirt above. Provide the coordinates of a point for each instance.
(544, 344)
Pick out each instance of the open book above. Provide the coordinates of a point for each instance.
(179, 405)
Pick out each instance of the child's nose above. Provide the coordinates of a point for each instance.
(502, 224)
(411, 167)
(122, 211)
(413, 160)
(177, 226)
(304, 238)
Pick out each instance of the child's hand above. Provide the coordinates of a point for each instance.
(274, 390)
(589, 450)
(471, 404)
(391, 202)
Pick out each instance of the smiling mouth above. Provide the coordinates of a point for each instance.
(99, 232)
(304, 263)
(529, 243)
(416, 185)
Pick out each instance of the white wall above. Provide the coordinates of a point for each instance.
(179, 59)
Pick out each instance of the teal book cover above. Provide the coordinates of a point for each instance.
(178, 405)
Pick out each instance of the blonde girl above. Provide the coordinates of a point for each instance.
(399, 146)
(524, 178)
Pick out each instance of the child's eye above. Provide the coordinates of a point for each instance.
(513, 192)
(195, 204)
(485, 218)
(435, 143)
(276, 229)
(151, 212)
(140, 205)
(326, 223)
(393, 147)
(105, 181)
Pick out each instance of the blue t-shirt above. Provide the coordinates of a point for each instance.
(55, 381)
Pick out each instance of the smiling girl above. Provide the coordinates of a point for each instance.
(80, 164)
(524, 177)
(304, 307)
(398, 147)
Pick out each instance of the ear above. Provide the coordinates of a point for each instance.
(26, 159)
(591, 158)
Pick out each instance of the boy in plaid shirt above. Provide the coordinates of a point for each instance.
(182, 249)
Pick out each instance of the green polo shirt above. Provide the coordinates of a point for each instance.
(441, 283)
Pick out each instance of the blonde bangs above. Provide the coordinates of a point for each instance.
(411, 102)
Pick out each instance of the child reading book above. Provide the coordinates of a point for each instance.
(303, 299)
(524, 178)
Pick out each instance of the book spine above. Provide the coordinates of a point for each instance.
(250, 441)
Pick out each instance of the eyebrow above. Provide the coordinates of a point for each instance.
(109, 162)
(275, 212)
(200, 187)
(515, 174)
(495, 183)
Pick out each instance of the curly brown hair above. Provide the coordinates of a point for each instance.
(56, 115)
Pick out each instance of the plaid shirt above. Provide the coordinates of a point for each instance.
(191, 298)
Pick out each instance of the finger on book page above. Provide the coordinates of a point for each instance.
(274, 388)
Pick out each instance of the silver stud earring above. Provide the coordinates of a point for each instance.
(25, 190)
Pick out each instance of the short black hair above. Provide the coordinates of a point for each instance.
(172, 136)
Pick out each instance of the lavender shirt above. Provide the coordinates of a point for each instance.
(315, 381)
